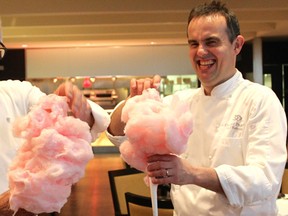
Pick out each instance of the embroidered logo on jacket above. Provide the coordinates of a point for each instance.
(237, 122)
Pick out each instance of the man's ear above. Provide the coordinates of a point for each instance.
(238, 44)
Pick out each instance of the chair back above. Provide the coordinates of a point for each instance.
(126, 180)
(284, 187)
(141, 205)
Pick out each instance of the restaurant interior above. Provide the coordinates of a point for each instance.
(100, 45)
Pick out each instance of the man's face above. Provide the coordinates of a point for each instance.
(212, 55)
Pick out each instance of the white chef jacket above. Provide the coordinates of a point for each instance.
(16, 98)
(240, 130)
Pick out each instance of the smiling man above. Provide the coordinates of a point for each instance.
(237, 152)
(213, 49)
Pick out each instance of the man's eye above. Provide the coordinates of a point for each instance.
(193, 44)
(211, 43)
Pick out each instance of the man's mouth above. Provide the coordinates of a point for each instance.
(206, 63)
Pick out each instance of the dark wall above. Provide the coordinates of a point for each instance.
(275, 52)
(274, 57)
(12, 66)
(244, 61)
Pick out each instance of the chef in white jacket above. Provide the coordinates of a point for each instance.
(236, 153)
(16, 98)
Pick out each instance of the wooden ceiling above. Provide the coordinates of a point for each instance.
(72, 23)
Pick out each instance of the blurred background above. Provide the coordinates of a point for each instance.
(99, 45)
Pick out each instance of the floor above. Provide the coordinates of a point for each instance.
(91, 195)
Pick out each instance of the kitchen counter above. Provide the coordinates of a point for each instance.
(103, 145)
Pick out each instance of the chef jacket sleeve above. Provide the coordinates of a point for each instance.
(264, 155)
(101, 120)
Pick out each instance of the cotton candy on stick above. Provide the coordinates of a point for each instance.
(153, 127)
(53, 155)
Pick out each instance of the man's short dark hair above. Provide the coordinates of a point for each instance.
(216, 7)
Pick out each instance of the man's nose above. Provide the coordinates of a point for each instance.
(202, 50)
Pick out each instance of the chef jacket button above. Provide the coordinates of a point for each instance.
(210, 157)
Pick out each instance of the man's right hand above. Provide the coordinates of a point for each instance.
(137, 86)
(116, 126)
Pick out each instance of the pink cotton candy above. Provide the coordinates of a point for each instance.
(153, 127)
(53, 156)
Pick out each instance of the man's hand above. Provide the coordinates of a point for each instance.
(137, 86)
(116, 126)
(165, 169)
(77, 102)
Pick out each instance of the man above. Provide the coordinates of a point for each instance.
(16, 99)
(237, 152)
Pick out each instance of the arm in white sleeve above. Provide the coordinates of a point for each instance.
(264, 155)
(116, 140)
(101, 120)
